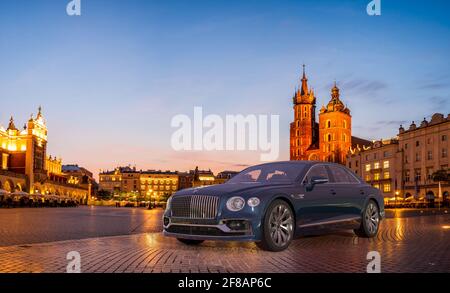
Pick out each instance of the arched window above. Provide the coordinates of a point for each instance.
(345, 124)
(344, 137)
(328, 123)
(329, 137)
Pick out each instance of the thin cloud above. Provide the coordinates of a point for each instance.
(361, 87)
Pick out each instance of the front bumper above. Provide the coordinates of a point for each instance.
(226, 229)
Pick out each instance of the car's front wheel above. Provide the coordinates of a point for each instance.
(190, 241)
(370, 221)
(278, 227)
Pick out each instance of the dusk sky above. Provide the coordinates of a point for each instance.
(111, 80)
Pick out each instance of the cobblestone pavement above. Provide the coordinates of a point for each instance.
(26, 226)
(411, 244)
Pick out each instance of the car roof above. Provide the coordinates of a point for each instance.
(307, 163)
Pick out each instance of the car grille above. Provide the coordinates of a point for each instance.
(195, 207)
(201, 231)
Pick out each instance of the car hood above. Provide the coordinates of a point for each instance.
(230, 188)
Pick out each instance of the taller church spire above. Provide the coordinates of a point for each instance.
(304, 88)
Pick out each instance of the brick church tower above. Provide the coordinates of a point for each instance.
(303, 129)
(331, 138)
(335, 129)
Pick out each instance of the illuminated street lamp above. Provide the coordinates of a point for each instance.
(396, 195)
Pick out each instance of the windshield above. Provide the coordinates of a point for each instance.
(269, 173)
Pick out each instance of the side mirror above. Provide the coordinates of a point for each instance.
(314, 181)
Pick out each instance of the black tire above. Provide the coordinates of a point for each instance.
(370, 221)
(273, 228)
(190, 241)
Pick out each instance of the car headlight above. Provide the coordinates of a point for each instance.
(235, 204)
(253, 202)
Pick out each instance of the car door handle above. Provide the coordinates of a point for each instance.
(361, 192)
(333, 192)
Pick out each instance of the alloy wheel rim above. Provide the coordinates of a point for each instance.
(281, 225)
(372, 218)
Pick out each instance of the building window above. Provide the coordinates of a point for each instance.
(367, 157)
(429, 173)
(367, 167)
(376, 165)
(387, 175)
(386, 154)
(430, 155)
(367, 178)
(428, 140)
(444, 137)
(345, 124)
(377, 186)
(418, 175)
(376, 176)
(345, 138)
(375, 156)
(5, 161)
(406, 146)
(350, 165)
(407, 176)
(328, 124)
(406, 158)
(444, 153)
(417, 157)
(417, 143)
(356, 163)
(329, 137)
(386, 164)
(387, 187)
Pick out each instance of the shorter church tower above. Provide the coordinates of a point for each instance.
(335, 129)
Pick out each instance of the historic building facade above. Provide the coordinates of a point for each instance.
(404, 167)
(330, 138)
(425, 150)
(156, 185)
(378, 165)
(25, 165)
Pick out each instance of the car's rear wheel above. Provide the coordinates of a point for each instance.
(370, 221)
(278, 227)
(190, 241)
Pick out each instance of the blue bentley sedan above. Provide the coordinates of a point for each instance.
(273, 203)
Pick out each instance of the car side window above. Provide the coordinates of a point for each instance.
(351, 177)
(317, 171)
(340, 175)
